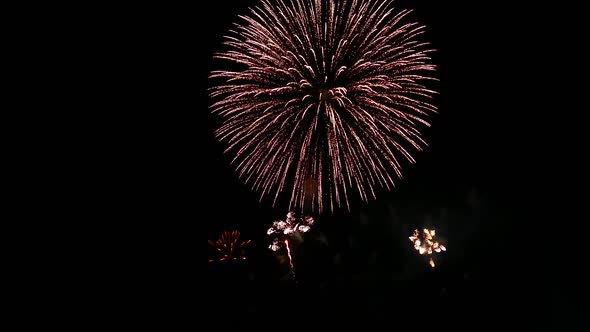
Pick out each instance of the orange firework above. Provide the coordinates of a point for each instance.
(424, 243)
(229, 247)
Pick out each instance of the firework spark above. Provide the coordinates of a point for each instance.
(287, 228)
(324, 98)
(424, 244)
(229, 247)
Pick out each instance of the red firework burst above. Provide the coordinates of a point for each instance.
(229, 247)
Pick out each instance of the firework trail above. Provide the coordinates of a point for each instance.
(229, 247)
(324, 99)
(285, 229)
(289, 255)
(424, 243)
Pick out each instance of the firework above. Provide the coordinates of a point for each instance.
(287, 228)
(229, 247)
(424, 243)
(324, 99)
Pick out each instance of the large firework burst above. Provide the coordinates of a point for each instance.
(323, 98)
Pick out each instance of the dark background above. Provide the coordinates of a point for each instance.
(478, 183)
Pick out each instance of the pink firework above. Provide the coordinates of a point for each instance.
(229, 247)
(324, 99)
(283, 229)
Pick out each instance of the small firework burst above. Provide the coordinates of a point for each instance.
(287, 228)
(229, 247)
(424, 243)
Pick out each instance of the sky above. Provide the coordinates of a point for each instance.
(476, 145)
(472, 184)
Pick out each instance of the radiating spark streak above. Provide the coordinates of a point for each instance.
(329, 91)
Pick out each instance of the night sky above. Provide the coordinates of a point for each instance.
(472, 184)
